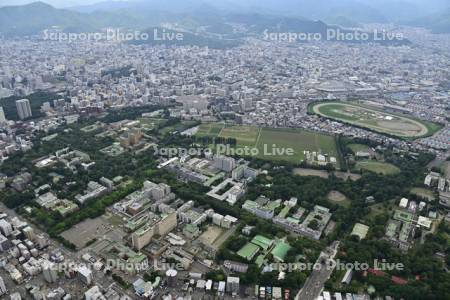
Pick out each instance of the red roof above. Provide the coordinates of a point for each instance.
(376, 272)
(398, 280)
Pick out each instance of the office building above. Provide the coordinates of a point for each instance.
(224, 163)
(49, 271)
(2, 116)
(85, 275)
(156, 226)
(3, 289)
(233, 285)
(5, 243)
(5, 228)
(23, 108)
(29, 233)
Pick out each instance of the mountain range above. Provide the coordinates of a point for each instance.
(202, 21)
(432, 14)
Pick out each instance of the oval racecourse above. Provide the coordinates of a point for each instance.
(373, 119)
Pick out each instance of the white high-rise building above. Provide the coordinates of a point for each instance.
(5, 228)
(224, 163)
(50, 272)
(2, 116)
(23, 108)
(3, 289)
(85, 275)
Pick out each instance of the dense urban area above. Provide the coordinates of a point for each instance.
(265, 170)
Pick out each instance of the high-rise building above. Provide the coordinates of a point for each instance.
(23, 108)
(161, 226)
(3, 289)
(2, 116)
(49, 271)
(5, 243)
(233, 285)
(85, 275)
(29, 233)
(224, 163)
(5, 228)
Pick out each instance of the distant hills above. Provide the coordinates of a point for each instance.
(438, 23)
(431, 14)
(201, 23)
(35, 17)
(162, 36)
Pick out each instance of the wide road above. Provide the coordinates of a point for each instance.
(316, 281)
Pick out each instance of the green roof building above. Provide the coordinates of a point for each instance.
(360, 230)
(280, 251)
(259, 261)
(248, 251)
(191, 231)
(262, 242)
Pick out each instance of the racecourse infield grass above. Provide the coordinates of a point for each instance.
(375, 119)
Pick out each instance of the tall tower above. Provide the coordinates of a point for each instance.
(50, 272)
(3, 289)
(23, 108)
(2, 116)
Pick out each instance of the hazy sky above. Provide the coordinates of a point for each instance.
(57, 3)
(68, 3)
(387, 7)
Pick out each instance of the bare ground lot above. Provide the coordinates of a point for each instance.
(325, 174)
(424, 193)
(311, 172)
(90, 229)
(336, 196)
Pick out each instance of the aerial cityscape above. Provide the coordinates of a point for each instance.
(205, 149)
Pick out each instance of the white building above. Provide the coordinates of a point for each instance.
(403, 203)
(233, 285)
(49, 271)
(5, 228)
(3, 289)
(94, 293)
(2, 116)
(23, 108)
(221, 289)
(85, 275)
(224, 163)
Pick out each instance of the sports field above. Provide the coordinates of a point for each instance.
(423, 192)
(377, 167)
(151, 123)
(359, 148)
(338, 198)
(271, 142)
(375, 119)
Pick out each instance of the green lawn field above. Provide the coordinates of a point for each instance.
(270, 142)
(375, 119)
(377, 167)
(359, 147)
